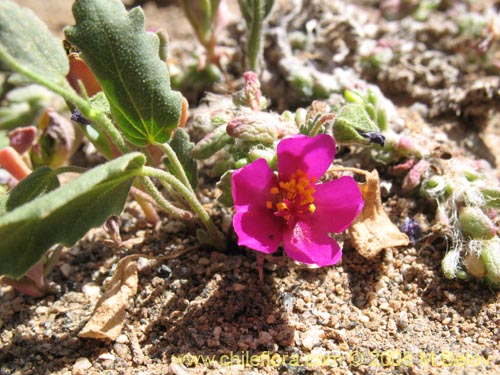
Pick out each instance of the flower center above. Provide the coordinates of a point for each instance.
(293, 198)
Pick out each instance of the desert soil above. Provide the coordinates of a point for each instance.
(395, 314)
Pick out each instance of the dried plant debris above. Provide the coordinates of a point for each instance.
(373, 230)
(109, 315)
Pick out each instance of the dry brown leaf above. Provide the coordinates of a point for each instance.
(373, 231)
(109, 315)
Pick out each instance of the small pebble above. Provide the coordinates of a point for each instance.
(174, 227)
(91, 290)
(311, 338)
(122, 339)
(204, 261)
(265, 338)
(107, 357)
(270, 319)
(81, 366)
(217, 333)
(121, 350)
(66, 269)
(239, 287)
(402, 320)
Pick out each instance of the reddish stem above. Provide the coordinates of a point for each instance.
(12, 162)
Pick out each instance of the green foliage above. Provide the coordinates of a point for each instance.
(201, 14)
(65, 214)
(354, 125)
(22, 105)
(183, 148)
(255, 12)
(26, 42)
(126, 61)
(372, 105)
(491, 197)
(490, 256)
(212, 143)
(38, 183)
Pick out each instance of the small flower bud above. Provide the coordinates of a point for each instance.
(414, 176)
(259, 127)
(436, 187)
(300, 117)
(201, 15)
(240, 163)
(211, 143)
(353, 97)
(449, 264)
(267, 154)
(491, 197)
(21, 139)
(475, 223)
(252, 90)
(472, 260)
(490, 255)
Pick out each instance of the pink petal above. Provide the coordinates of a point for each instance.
(258, 229)
(313, 155)
(255, 224)
(251, 185)
(337, 202)
(305, 243)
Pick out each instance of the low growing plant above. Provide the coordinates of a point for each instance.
(135, 122)
(114, 78)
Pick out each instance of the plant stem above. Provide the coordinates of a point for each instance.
(52, 260)
(191, 199)
(254, 37)
(148, 209)
(70, 95)
(176, 164)
(321, 121)
(163, 203)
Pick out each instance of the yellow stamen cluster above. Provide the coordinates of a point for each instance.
(295, 196)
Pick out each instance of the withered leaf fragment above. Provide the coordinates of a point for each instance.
(373, 231)
(109, 315)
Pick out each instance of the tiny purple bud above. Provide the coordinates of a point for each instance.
(411, 228)
(78, 117)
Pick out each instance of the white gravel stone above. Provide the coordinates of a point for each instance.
(91, 290)
(311, 338)
(81, 366)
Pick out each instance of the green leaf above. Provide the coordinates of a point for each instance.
(183, 148)
(3, 201)
(354, 125)
(38, 183)
(491, 197)
(126, 61)
(65, 214)
(224, 184)
(212, 143)
(26, 44)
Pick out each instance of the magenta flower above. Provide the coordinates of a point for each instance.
(294, 208)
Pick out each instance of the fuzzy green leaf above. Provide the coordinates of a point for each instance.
(491, 197)
(354, 125)
(183, 148)
(27, 46)
(65, 214)
(126, 61)
(38, 183)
